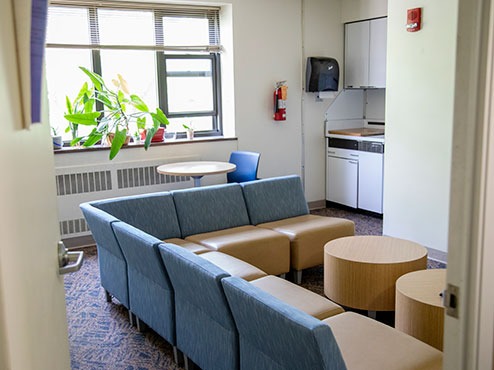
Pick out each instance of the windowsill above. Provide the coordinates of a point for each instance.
(79, 149)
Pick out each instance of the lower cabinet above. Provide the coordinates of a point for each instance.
(355, 179)
(370, 181)
(342, 180)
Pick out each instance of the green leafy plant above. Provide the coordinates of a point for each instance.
(54, 131)
(83, 103)
(119, 109)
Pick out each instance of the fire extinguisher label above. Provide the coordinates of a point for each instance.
(281, 104)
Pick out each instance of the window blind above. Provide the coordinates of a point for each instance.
(137, 26)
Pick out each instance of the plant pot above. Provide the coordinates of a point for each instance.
(57, 142)
(109, 139)
(190, 134)
(157, 137)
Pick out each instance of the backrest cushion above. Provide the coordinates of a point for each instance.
(210, 208)
(153, 213)
(273, 199)
(141, 252)
(275, 335)
(197, 280)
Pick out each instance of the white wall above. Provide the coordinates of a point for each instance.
(354, 10)
(419, 123)
(322, 36)
(264, 48)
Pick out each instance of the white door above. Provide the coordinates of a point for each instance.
(357, 54)
(377, 52)
(370, 181)
(341, 182)
(33, 326)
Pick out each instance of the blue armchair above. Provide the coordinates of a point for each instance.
(247, 164)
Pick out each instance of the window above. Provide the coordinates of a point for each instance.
(169, 55)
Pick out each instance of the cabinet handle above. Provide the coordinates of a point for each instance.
(354, 155)
(353, 162)
(329, 152)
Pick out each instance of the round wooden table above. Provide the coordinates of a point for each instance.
(360, 272)
(196, 170)
(419, 305)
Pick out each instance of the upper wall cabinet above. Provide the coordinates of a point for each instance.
(365, 54)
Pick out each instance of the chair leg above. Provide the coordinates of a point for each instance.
(178, 356)
(283, 276)
(108, 296)
(141, 325)
(189, 364)
(131, 318)
(297, 276)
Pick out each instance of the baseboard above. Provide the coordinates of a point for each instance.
(317, 204)
(79, 242)
(437, 255)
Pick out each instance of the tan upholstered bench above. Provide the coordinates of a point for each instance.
(296, 296)
(190, 246)
(367, 344)
(234, 266)
(263, 248)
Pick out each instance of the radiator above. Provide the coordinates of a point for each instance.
(79, 184)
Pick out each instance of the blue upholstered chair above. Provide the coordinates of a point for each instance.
(112, 264)
(206, 332)
(247, 164)
(274, 335)
(279, 204)
(151, 297)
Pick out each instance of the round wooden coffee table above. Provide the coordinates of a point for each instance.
(419, 305)
(360, 272)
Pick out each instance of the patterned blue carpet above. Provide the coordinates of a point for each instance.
(101, 336)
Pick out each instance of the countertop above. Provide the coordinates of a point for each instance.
(378, 138)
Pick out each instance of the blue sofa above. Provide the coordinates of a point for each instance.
(264, 222)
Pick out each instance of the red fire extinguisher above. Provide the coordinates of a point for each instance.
(280, 95)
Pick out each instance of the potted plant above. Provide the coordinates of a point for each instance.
(119, 111)
(83, 103)
(189, 131)
(56, 138)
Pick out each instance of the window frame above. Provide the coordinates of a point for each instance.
(161, 55)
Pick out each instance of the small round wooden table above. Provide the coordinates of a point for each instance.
(360, 272)
(196, 170)
(419, 305)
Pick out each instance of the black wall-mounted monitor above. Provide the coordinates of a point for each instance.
(322, 74)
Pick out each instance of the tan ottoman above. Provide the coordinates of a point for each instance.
(296, 296)
(308, 234)
(367, 344)
(265, 249)
(234, 266)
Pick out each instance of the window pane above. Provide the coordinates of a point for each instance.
(190, 86)
(64, 78)
(124, 27)
(138, 68)
(67, 25)
(197, 123)
(178, 31)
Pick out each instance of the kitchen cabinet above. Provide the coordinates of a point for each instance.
(342, 177)
(365, 54)
(354, 171)
(370, 181)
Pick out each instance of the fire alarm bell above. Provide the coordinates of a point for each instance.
(414, 19)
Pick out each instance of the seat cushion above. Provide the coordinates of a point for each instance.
(308, 234)
(263, 248)
(296, 296)
(187, 244)
(367, 344)
(234, 266)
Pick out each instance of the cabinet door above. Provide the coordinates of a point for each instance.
(357, 54)
(377, 52)
(370, 182)
(341, 181)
